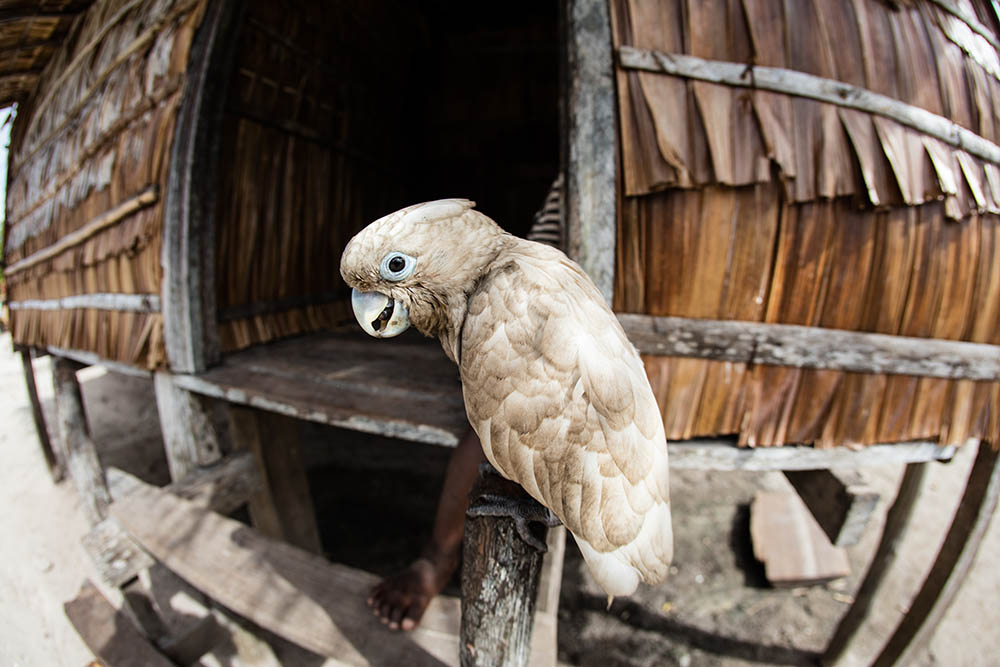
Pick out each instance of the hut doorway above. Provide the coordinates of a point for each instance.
(338, 113)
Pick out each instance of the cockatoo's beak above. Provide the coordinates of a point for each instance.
(379, 315)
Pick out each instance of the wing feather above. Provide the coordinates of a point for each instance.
(549, 373)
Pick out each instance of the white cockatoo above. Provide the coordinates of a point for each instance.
(552, 385)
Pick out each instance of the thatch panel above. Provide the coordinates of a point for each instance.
(907, 271)
(901, 52)
(94, 141)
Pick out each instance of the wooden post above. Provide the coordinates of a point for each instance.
(54, 464)
(591, 125)
(885, 555)
(78, 449)
(189, 436)
(283, 507)
(953, 562)
(500, 578)
(188, 256)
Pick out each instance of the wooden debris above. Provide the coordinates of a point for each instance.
(790, 543)
(108, 633)
(840, 501)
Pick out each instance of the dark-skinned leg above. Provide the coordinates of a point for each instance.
(400, 600)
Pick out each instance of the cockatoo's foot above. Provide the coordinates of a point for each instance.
(499, 497)
(400, 600)
(521, 510)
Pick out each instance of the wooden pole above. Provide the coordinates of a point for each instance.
(282, 508)
(78, 449)
(189, 436)
(953, 562)
(500, 577)
(896, 522)
(54, 464)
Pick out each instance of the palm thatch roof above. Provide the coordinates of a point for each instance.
(30, 33)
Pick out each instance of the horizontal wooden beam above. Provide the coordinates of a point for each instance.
(147, 197)
(133, 303)
(811, 347)
(792, 82)
(91, 359)
(720, 454)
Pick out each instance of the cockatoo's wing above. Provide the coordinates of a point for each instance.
(561, 403)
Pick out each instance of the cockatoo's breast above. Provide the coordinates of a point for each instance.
(561, 403)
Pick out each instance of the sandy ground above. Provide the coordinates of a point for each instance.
(374, 499)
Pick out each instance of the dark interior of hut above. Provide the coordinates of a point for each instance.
(338, 113)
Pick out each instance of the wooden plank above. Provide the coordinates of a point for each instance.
(282, 507)
(78, 449)
(144, 199)
(840, 501)
(189, 436)
(295, 594)
(90, 359)
(790, 543)
(221, 488)
(41, 428)
(896, 521)
(108, 633)
(347, 381)
(952, 564)
(592, 142)
(791, 82)
(811, 347)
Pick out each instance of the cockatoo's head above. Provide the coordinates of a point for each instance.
(418, 265)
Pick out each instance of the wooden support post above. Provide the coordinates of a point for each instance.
(952, 564)
(591, 151)
(839, 500)
(54, 464)
(500, 578)
(77, 448)
(189, 437)
(283, 508)
(885, 555)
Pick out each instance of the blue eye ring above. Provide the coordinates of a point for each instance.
(397, 266)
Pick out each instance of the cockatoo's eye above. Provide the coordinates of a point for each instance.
(396, 266)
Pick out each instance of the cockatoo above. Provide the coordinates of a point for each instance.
(552, 385)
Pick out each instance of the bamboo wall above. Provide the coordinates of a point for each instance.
(751, 205)
(88, 173)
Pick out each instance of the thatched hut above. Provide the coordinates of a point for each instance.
(184, 174)
(794, 206)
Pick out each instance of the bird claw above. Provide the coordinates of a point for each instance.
(521, 512)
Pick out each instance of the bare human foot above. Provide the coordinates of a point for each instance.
(399, 601)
